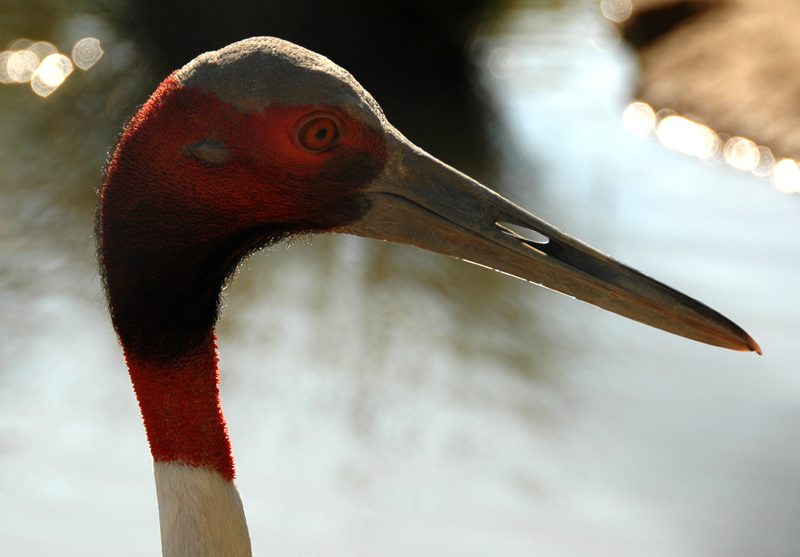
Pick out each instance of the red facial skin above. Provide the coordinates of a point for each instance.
(172, 228)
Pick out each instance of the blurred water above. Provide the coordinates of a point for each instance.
(387, 401)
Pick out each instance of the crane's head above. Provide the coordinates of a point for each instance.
(263, 140)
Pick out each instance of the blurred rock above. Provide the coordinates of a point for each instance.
(733, 65)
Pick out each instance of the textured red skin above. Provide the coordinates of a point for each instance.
(168, 221)
(181, 410)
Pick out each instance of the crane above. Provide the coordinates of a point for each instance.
(258, 142)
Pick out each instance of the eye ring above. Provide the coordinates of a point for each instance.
(317, 132)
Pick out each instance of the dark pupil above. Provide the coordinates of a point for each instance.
(321, 134)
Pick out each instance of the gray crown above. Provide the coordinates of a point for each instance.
(255, 73)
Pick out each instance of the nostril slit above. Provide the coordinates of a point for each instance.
(522, 233)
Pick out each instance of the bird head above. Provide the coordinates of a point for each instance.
(263, 140)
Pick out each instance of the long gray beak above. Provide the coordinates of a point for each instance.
(422, 202)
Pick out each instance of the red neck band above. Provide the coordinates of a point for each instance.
(181, 409)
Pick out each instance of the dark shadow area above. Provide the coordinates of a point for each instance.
(411, 55)
(648, 25)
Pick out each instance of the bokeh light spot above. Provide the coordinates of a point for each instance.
(42, 64)
(42, 49)
(51, 74)
(21, 65)
(680, 134)
(4, 77)
(741, 153)
(503, 63)
(639, 118)
(86, 53)
(616, 10)
(766, 162)
(20, 44)
(786, 176)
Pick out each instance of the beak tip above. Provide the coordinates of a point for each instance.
(745, 343)
(754, 347)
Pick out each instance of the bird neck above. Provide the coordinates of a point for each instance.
(200, 513)
(199, 507)
(179, 400)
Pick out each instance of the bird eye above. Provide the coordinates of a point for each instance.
(318, 134)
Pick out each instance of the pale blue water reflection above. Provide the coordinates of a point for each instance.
(386, 401)
(705, 439)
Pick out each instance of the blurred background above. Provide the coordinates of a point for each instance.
(385, 401)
